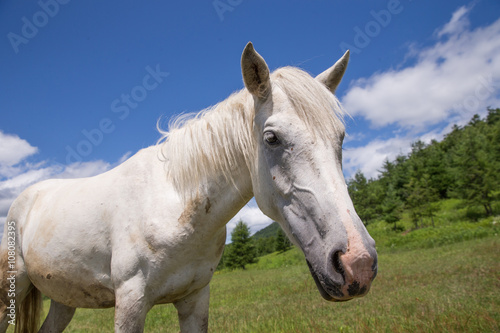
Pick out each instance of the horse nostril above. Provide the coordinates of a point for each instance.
(337, 264)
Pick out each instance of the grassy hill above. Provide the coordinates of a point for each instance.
(450, 288)
(452, 224)
(269, 231)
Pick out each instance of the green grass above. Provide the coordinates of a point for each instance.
(450, 288)
(444, 278)
(451, 225)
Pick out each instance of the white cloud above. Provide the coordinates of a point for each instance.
(25, 179)
(252, 216)
(353, 137)
(450, 81)
(125, 157)
(457, 24)
(13, 150)
(370, 157)
(457, 75)
(83, 169)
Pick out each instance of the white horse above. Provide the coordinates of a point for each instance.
(152, 230)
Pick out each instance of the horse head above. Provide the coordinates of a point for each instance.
(297, 177)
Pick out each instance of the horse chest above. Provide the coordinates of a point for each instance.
(183, 262)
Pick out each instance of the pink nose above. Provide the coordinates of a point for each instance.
(358, 269)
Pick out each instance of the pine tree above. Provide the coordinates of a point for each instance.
(391, 207)
(265, 245)
(475, 166)
(422, 198)
(242, 250)
(365, 196)
(282, 242)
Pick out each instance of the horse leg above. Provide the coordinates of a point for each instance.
(58, 318)
(193, 311)
(131, 307)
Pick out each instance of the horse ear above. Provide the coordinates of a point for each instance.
(255, 72)
(332, 76)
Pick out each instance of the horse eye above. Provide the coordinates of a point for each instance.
(271, 138)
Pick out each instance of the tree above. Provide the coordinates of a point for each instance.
(364, 196)
(282, 242)
(421, 191)
(391, 207)
(242, 250)
(264, 245)
(464, 165)
(475, 166)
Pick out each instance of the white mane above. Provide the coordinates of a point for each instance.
(211, 143)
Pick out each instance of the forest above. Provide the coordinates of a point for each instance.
(464, 165)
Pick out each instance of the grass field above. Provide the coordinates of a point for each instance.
(450, 288)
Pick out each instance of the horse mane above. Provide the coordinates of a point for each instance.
(211, 143)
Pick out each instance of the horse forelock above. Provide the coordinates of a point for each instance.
(314, 104)
(211, 143)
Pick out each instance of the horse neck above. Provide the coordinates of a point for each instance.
(228, 196)
(217, 200)
(210, 157)
(227, 191)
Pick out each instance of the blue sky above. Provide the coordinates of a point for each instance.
(83, 83)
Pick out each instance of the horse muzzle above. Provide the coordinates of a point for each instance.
(345, 275)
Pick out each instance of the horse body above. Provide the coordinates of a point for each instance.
(84, 238)
(152, 230)
(88, 234)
